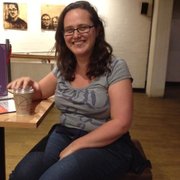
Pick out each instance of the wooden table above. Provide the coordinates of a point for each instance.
(39, 110)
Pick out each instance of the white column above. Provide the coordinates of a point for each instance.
(159, 47)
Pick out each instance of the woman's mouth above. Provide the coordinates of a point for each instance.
(78, 43)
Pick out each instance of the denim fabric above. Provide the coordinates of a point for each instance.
(109, 162)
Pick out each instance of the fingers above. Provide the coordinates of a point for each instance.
(60, 156)
(20, 83)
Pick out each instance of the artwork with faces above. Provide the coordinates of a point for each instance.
(15, 16)
(49, 16)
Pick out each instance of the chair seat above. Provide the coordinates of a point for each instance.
(146, 174)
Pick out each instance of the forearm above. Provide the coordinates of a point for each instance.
(104, 135)
(37, 95)
(39, 92)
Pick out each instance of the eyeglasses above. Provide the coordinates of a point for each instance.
(80, 30)
(45, 19)
(12, 10)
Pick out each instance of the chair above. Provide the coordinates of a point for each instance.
(146, 174)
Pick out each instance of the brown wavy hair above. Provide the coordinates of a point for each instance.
(102, 51)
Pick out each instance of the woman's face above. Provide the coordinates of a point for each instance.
(54, 22)
(81, 45)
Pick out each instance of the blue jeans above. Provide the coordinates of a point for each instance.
(109, 162)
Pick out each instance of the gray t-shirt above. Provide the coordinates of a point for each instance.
(89, 107)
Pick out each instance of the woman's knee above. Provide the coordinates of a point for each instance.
(30, 167)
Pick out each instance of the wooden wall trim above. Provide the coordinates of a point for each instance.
(30, 56)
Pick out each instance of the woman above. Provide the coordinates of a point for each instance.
(94, 94)
(54, 22)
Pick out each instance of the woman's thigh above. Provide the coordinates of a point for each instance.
(30, 167)
(56, 143)
(35, 163)
(112, 161)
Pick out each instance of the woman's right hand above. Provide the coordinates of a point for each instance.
(22, 82)
(42, 89)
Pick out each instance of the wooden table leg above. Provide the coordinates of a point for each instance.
(2, 155)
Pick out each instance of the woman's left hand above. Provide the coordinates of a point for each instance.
(67, 151)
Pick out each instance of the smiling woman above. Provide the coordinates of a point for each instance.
(79, 35)
(92, 139)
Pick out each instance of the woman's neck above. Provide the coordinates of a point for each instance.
(82, 65)
(81, 68)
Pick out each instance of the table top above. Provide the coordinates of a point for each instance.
(39, 110)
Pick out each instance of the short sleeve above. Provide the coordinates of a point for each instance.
(119, 71)
(56, 72)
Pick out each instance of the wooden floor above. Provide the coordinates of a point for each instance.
(156, 124)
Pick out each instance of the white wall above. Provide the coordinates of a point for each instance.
(126, 30)
(36, 70)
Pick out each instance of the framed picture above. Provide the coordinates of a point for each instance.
(49, 16)
(15, 16)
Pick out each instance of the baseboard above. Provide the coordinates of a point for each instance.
(139, 90)
(172, 83)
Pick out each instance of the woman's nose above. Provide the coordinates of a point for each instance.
(76, 33)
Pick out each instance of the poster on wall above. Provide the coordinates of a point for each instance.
(15, 16)
(49, 16)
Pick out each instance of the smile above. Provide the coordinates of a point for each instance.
(78, 43)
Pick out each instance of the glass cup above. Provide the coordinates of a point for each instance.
(23, 100)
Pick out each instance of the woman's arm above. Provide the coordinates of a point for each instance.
(42, 89)
(121, 102)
